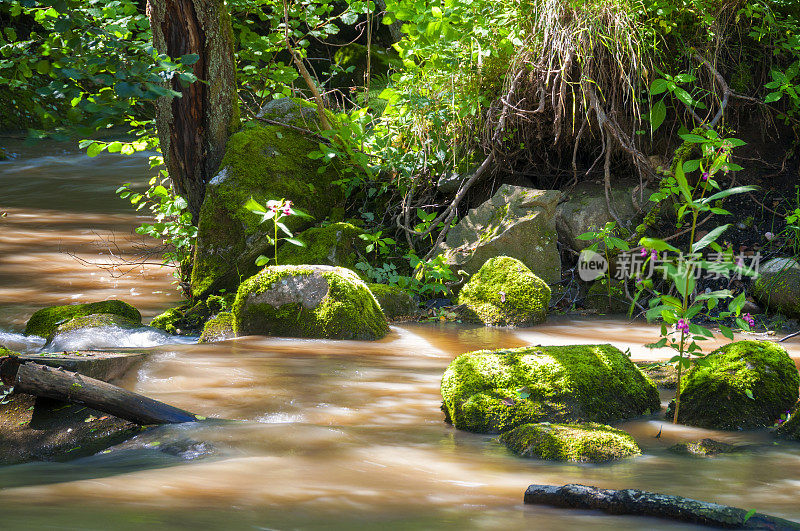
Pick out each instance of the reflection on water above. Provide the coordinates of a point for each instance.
(330, 434)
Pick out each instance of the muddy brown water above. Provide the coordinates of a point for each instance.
(325, 434)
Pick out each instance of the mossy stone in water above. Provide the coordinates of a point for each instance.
(337, 244)
(778, 286)
(505, 292)
(308, 301)
(394, 301)
(715, 394)
(585, 442)
(218, 328)
(96, 321)
(492, 391)
(44, 322)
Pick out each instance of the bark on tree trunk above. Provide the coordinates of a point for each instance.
(642, 503)
(194, 128)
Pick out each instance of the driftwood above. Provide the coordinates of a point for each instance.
(40, 380)
(642, 503)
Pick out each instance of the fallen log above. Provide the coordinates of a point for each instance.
(40, 380)
(643, 503)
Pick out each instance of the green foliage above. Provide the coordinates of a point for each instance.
(679, 310)
(172, 221)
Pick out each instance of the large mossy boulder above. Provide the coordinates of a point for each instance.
(517, 222)
(394, 300)
(492, 391)
(312, 301)
(337, 244)
(585, 442)
(46, 321)
(266, 162)
(717, 393)
(504, 292)
(778, 286)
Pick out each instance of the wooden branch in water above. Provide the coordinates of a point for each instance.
(643, 503)
(40, 380)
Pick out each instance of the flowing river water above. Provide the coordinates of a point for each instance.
(324, 434)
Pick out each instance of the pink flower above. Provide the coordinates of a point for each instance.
(749, 319)
(644, 251)
(683, 325)
(287, 208)
(654, 254)
(705, 175)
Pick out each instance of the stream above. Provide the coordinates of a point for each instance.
(323, 434)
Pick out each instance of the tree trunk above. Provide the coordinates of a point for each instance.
(194, 128)
(642, 503)
(43, 381)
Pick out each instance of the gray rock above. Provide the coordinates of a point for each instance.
(586, 210)
(517, 222)
(778, 286)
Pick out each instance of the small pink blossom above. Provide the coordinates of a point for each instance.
(749, 319)
(683, 325)
(705, 175)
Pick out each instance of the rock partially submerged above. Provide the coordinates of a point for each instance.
(743, 385)
(505, 292)
(492, 391)
(218, 328)
(705, 448)
(47, 321)
(311, 301)
(517, 222)
(585, 442)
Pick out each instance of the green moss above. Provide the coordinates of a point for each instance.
(505, 292)
(308, 301)
(394, 301)
(218, 328)
(577, 442)
(337, 244)
(45, 321)
(96, 320)
(491, 391)
(170, 320)
(355, 55)
(715, 394)
(704, 448)
(7, 352)
(265, 162)
(778, 286)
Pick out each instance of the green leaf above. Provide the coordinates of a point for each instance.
(712, 236)
(254, 206)
(695, 139)
(749, 394)
(725, 331)
(773, 97)
(295, 241)
(658, 86)
(262, 260)
(284, 229)
(748, 515)
(189, 59)
(586, 236)
(657, 114)
(730, 191)
(683, 185)
(95, 149)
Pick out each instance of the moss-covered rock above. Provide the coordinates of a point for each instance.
(394, 301)
(44, 322)
(218, 328)
(505, 292)
(171, 320)
(337, 244)
(189, 319)
(7, 352)
(308, 301)
(96, 320)
(715, 394)
(492, 391)
(778, 286)
(705, 448)
(265, 162)
(585, 442)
